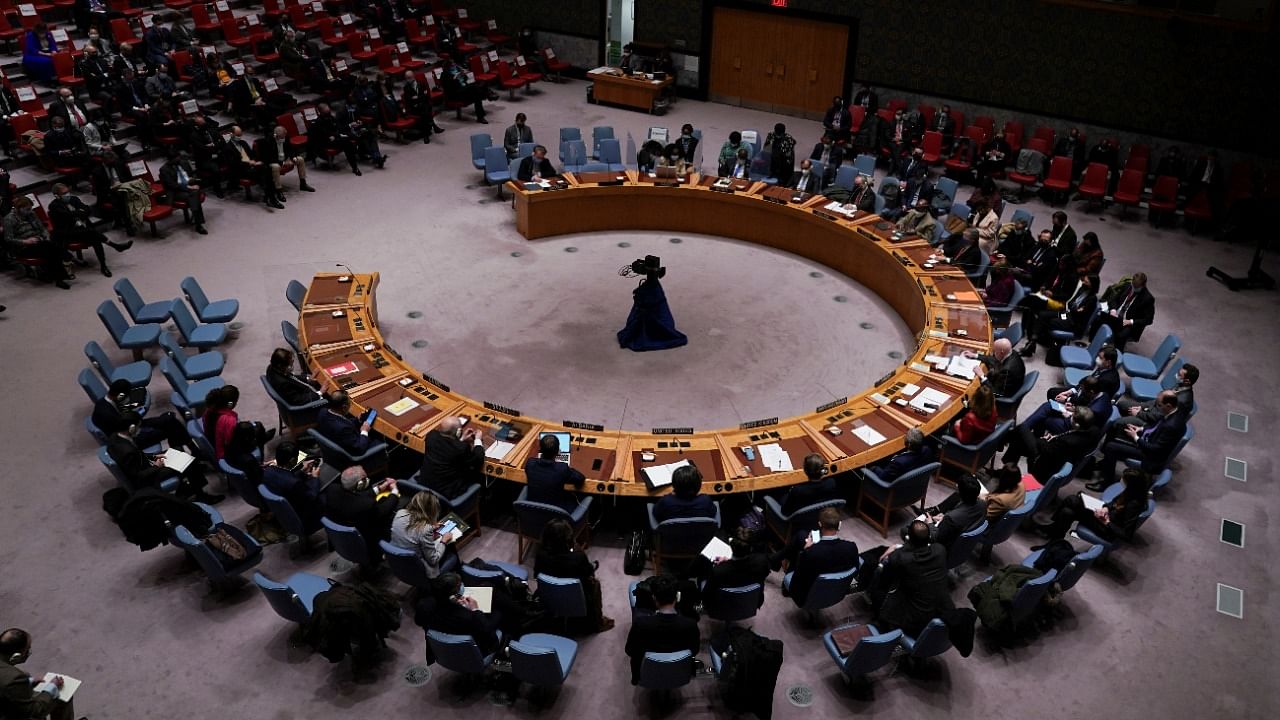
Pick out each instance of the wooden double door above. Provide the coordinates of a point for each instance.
(775, 62)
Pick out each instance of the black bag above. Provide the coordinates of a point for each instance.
(633, 561)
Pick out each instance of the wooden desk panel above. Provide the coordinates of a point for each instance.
(327, 290)
(624, 90)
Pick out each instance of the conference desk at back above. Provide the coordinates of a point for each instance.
(930, 301)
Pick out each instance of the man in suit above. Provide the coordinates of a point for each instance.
(1133, 412)
(326, 133)
(183, 185)
(916, 454)
(867, 98)
(863, 196)
(459, 87)
(546, 477)
(338, 427)
(1062, 235)
(161, 88)
(20, 695)
(73, 223)
(110, 409)
(1104, 369)
(64, 144)
(364, 138)
(831, 155)
(157, 43)
(663, 631)
(1130, 308)
(292, 388)
(106, 177)
(453, 458)
(829, 554)
(687, 142)
(417, 102)
(279, 156)
(1003, 369)
(894, 194)
(143, 470)
(1047, 420)
(297, 482)
(97, 75)
(131, 101)
(911, 585)
(743, 568)
(969, 509)
(912, 168)
(352, 500)
(1048, 452)
(242, 164)
(536, 166)
(448, 611)
(71, 110)
(1072, 146)
(965, 253)
(918, 220)
(249, 99)
(516, 134)
(807, 181)
(1152, 444)
(1016, 243)
(944, 123)
(838, 121)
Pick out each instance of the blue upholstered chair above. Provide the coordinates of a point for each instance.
(1013, 334)
(1074, 570)
(599, 134)
(666, 671)
(1022, 214)
(290, 333)
(962, 547)
(570, 133)
(735, 604)
(827, 591)
(373, 459)
(139, 310)
(971, 456)
(948, 188)
(239, 483)
(680, 538)
(865, 165)
(406, 565)
(1149, 366)
(1083, 358)
(563, 598)
(288, 517)
(1007, 408)
(844, 177)
(805, 518)
(1001, 314)
(187, 396)
(296, 294)
(1028, 598)
(298, 418)
(459, 653)
(126, 337)
(532, 517)
(483, 576)
(573, 155)
(1145, 389)
(1002, 529)
(1108, 545)
(610, 153)
(465, 506)
(194, 334)
(872, 652)
(294, 599)
(496, 169)
(978, 275)
(348, 543)
(195, 367)
(220, 576)
(932, 641)
(480, 143)
(885, 497)
(110, 464)
(218, 311)
(137, 373)
(542, 660)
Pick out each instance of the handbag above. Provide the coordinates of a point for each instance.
(633, 561)
(223, 542)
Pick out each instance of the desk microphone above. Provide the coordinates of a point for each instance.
(350, 272)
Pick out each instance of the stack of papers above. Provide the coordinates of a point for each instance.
(498, 449)
(177, 460)
(660, 475)
(961, 366)
(930, 400)
(69, 685)
(401, 406)
(717, 548)
(341, 369)
(1090, 502)
(840, 208)
(868, 435)
(775, 458)
(938, 362)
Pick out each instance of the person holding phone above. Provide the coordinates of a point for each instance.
(336, 425)
(419, 527)
(297, 478)
(453, 458)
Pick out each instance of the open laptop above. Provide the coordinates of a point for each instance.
(665, 171)
(565, 440)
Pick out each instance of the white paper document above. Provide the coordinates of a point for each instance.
(868, 435)
(1091, 503)
(69, 685)
(717, 548)
(660, 475)
(930, 400)
(961, 366)
(775, 458)
(177, 460)
(498, 449)
(483, 596)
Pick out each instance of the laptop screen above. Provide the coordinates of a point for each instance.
(565, 440)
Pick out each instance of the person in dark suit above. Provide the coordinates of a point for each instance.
(912, 169)
(868, 99)
(687, 142)
(1037, 268)
(965, 254)
(1047, 420)
(1152, 444)
(143, 470)
(65, 145)
(830, 154)
(1073, 317)
(863, 196)
(1072, 145)
(1104, 369)
(1063, 236)
(536, 166)
(447, 610)
(1048, 452)
(829, 554)
(807, 181)
(417, 102)
(327, 133)
(453, 458)
(73, 223)
(242, 164)
(249, 99)
(1130, 308)
(106, 177)
(663, 631)
(744, 567)
(546, 478)
(911, 586)
(819, 487)
(838, 121)
(110, 409)
(183, 185)
(959, 513)
(292, 388)
(352, 500)
(517, 133)
(21, 696)
(278, 156)
(1133, 412)
(685, 499)
(337, 426)
(1002, 369)
(298, 482)
(559, 556)
(916, 454)
(1113, 521)
(945, 123)
(131, 101)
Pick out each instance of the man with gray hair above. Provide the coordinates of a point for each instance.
(453, 458)
(1002, 369)
(353, 500)
(918, 453)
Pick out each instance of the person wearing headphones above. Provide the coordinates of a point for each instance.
(819, 488)
(338, 427)
(354, 501)
(912, 580)
(20, 695)
(828, 554)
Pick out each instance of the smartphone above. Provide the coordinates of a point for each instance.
(371, 416)
(597, 464)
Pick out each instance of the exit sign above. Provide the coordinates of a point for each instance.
(778, 3)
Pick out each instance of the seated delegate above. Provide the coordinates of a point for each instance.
(559, 556)
(685, 499)
(546, 477)
(453, 459)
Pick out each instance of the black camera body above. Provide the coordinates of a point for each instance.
(650, 266)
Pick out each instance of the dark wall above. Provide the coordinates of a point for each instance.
(1192, 82)
(573, 17)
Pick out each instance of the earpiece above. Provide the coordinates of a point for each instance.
(15, 658)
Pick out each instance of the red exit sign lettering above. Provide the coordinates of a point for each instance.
(778, 3)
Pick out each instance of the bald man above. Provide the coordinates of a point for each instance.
(1003, 369)
(453, 459)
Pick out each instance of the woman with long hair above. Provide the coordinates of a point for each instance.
(981, 419)
(416, 527)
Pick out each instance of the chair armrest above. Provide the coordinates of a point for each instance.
(466, 497)
(950, 440)
(773, 507)
(580, 512)
(313, 405)
(375, 449)
(653, 521)
(215, 517)
(869, 474)
(411, 485)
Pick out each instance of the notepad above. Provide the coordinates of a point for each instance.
(909, 389)
(401, 406)
(961, 366)
(69, 685)
(177, 460)
(498, 449)
(717, 548)
(1091, 503)
(967, 296)
(868, 435)
(483, 596)
(930, 400)
(660, 475)
(346, 368)
(775, 458)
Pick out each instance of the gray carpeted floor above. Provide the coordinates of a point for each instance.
(1138, 638)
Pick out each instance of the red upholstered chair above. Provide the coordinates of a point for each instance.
(301, 20)
(121, 32)
(362, 47)
(1059, 179)
(1199, 211)
(200, 18)
(1046, 134)
(417, 35)
(961, 165)
(1164, 198)
(1129, 192)
(389, 62)
(987, 123)
(232, 34)
(932, 147)
(895, 105)
(926, 113)
(509, 78)
(495, 36)
(272, 9)
(484, 73)
(65, 68)
(1014, 133)
(527, 72)
(1093, 186)
(553, 64)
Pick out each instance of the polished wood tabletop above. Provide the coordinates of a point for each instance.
(938, 304)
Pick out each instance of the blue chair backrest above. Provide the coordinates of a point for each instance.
(1078, 566)
(610, 151)
(1019, 293)
(239, 482)
(347, 541)
(871, 653)
(479, 143)
(129, 297)
(829, 589)
(960, 209)
(201, 552)
(524, 150)
(195, 428)
(92, 385)
(737, 603)
(1028, 382)
(296, 294)
(845, 175)
(513, 167)
(283, 510)
(195, 294)
(99, 360)
(666, 671)
(984, 262)
(282, 599)
(176, 379)
(405, 564)
(865, 164)
(962, 547)
(183, 319)
(914, 484)
(1021, 214)
(174, 351)
(112, 319)
(1186, 438)
(534, 664)
(290, 333)
(105, 458)
(1170, 345)
(495, 162)
(1013, 333)
(947, 187)
(594, 167)
(570, 133)
(598, 135)
(532, 517)
(1003, 528)
(98, 435)
(931, 641)
(564, 597)
(1170, 378)
(807, 517)
(888, 181)
(573, 152)
(1028, 597)
(458, 653)
(1100, 338)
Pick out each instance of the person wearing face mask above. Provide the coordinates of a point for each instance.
(417, 102)
(27, 236)
(516, 134)
(687, 142)
(944, 123)
(144, 470)
(838, 121)
(73, 224)
(65, 144)
(70, 109)
(180, 182)
(807, 181)
(20, 695)
(238, 157)
(453, 457)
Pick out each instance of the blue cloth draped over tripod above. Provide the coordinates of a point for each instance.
(650, 325)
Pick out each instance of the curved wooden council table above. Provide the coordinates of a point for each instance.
(339, 329)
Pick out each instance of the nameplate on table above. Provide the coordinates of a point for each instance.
(758, 423)
(672, 431)
(435, 382)
(868, 234)
(827, 216)
(589, 427)
(501, 409)
(831, 405)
